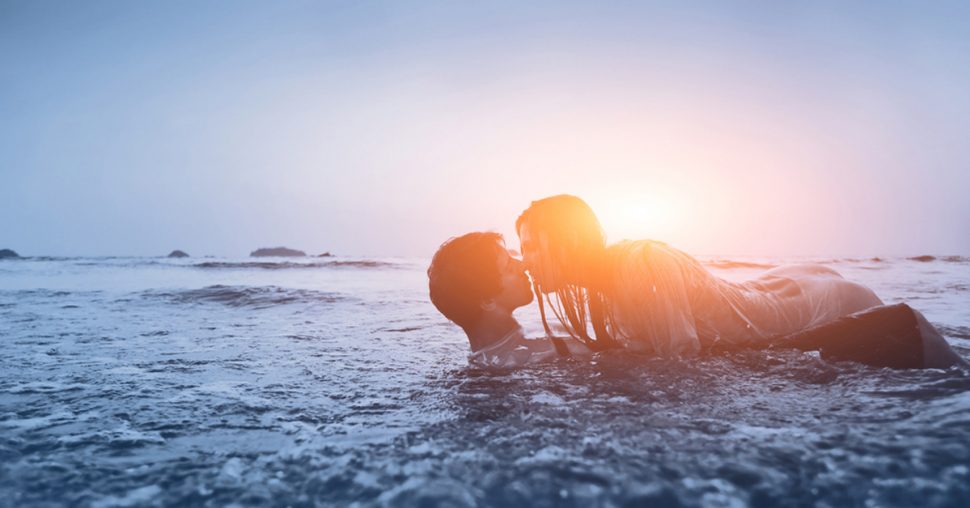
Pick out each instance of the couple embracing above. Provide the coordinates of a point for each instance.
(648, 297)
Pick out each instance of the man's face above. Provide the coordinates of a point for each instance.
(516, 288)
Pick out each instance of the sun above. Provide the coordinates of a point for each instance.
(656, 215)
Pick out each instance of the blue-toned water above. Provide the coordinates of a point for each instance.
(134, 381)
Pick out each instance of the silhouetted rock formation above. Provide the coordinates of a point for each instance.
(325, 255)
(277, 251)
(178, 254)
(924, 258)
(7, 253)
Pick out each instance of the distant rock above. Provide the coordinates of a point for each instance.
(325, 255)
(277, 251)
(7, 253)
(923, 259)
(178, 254)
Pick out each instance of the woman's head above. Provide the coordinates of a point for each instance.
(561, 240)
(563, 247)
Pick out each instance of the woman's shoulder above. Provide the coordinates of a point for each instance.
(627, 251)
(627, 247)
(630, 261)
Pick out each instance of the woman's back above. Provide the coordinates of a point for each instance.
(666, 302)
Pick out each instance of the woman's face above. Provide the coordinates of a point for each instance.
(531, 254)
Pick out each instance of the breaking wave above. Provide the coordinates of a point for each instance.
(732, 264)
(269, 265)
(949, 259)
(246, 296)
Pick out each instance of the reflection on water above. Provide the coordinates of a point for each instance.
(126, 382)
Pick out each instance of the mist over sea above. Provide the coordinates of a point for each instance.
(333, 381)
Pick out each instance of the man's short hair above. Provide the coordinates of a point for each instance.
(463, 273)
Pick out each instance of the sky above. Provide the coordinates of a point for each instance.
(383, 128)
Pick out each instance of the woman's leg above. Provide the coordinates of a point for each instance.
(894, 336)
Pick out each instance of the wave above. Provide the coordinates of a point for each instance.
(926, 258)
(731, 264)
(41, 294)
(960, 332)
(269, 265)
(956, 259)
(727, 264)
(210, 263)
(246, 296)
(875, 259)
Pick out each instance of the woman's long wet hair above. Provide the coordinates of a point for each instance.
(570, 247)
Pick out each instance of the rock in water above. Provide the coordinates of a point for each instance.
(325, 255)
(178, 254)
(277, 251)
(7, 253)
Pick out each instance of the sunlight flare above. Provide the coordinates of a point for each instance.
(659, 214)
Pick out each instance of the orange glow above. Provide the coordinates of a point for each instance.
(660, 214)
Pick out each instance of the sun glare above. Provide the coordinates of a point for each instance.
(654, 215)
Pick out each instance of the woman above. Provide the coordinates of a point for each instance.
(648, 296)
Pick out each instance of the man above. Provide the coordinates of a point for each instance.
(476, 284)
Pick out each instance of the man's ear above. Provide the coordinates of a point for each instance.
(488, 305)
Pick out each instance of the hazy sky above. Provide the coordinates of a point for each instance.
(382, 128)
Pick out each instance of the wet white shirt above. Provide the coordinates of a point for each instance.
(666, 303)
(515, 350)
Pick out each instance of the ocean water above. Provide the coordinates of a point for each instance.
(214, 382)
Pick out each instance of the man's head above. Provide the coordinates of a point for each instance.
(473, 274)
